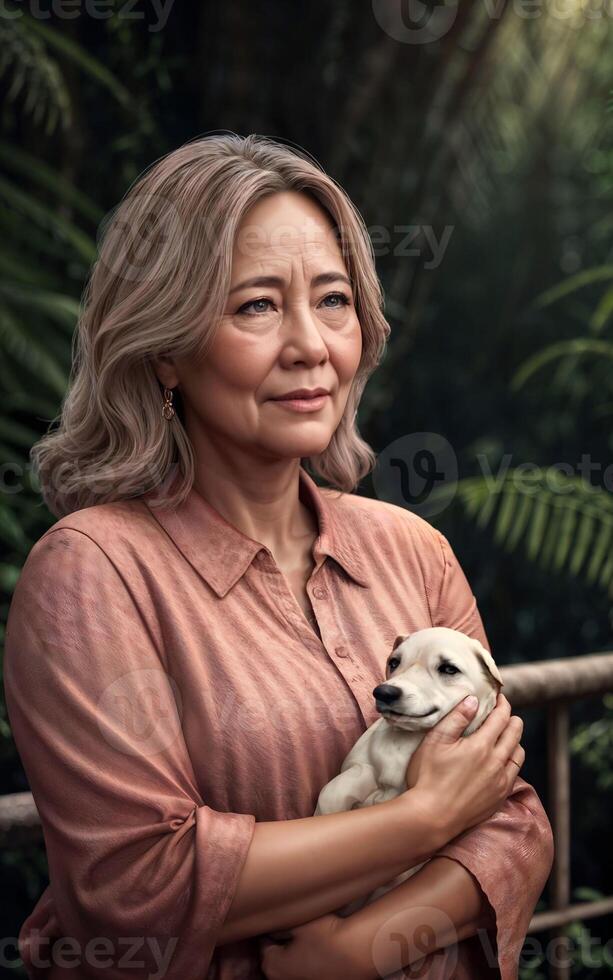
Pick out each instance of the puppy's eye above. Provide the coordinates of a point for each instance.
(448, 669)
(393, 663)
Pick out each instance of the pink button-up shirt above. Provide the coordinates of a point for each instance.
(165, 691)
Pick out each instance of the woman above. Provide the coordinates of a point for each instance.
(192, 646)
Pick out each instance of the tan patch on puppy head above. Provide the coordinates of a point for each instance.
(397, 642)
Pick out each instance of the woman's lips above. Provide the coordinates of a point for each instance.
(301, 404)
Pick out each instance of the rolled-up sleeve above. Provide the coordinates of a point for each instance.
(141, 869)
(511, 853)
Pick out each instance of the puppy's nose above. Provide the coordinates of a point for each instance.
(387, 693)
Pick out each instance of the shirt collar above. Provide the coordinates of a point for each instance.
(221, 553)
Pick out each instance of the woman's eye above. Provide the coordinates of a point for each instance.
(253, 302)
(448, 669)
(340, 299)
(344, 300)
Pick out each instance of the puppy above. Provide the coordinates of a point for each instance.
(427, 674)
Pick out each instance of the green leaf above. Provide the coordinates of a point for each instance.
(74, 52)
(17, 433)
(8, 577)
(48, 218)
(582, 542)
(25, 165)
(572, 283)
(537, 527)
(564, 536)
(10, 529)
(63, 309)
(521, 521)
(600, 551)
(14, 338)
(564, 348)
(506, 512)
(603, 312)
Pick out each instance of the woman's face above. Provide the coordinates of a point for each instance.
(298, 331)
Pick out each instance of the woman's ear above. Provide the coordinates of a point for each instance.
(165, 370)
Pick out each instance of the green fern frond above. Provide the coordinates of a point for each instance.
(11, 532)
(17, 342)
(48, 218)
(35, 77)
(603, 312)
(564, 522)
(586, 277)
(72, 51)
(57, 306)
(23, 164)
(578, 346)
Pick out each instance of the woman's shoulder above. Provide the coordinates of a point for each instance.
(77, 595)
(396, 541)
(100, 531)
(129, 516)
(382, 518)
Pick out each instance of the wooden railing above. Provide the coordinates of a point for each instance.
(553, 684)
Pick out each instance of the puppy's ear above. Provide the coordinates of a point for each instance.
(488, 664)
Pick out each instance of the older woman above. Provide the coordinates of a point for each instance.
(192, 646)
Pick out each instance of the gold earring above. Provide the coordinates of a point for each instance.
(168, 411)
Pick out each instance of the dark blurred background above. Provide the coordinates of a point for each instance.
(476, 142)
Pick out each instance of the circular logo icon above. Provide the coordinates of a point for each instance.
(139, 713)
(396, 942)
(418, 471)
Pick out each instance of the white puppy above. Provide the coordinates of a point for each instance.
(426, 675)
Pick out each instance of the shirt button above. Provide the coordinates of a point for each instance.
(341, 651)
(319, 592)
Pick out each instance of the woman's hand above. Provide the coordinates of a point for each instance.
(316, 950)
(466, 779)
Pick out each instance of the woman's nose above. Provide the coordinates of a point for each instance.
(302, 332)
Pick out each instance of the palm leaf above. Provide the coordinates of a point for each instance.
(603, 311)
(576, 347)
(35, 77)
(29, 352)
(65, 46)
(63, 309)
(44, 176)
(565, 524)
(584, 278)
(48, 218)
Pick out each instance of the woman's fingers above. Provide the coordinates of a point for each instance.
(514, 765)
(509, 740)
(495, 723)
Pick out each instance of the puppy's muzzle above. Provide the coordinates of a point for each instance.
(387, 696)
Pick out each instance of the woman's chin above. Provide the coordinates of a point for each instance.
(301, 448)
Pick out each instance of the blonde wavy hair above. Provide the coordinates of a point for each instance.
(159, 285)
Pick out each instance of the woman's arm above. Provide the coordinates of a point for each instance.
(298, 870)
(439, 905)
(489, 877)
